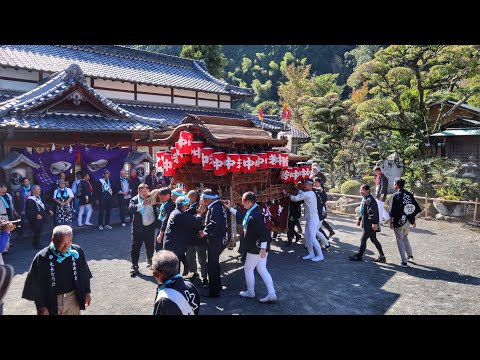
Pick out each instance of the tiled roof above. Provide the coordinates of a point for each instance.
(119, 63)
(452, 103)
(56, 87)
(173, 115)
(75, 122)
(273, 122)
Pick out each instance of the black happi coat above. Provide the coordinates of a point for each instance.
(404, 207)
(216, 224)
(165, 306)
(32, 210)
(370, 213)
(180, 231)
(83, 190)
(38, 285)
(166, 211)
(256, 231)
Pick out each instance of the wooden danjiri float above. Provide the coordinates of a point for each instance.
(231, 156)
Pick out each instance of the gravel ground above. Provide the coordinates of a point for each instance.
(444, 279)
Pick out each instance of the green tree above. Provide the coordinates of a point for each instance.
(212, 54)
(332, 124)
(406, 77)
(326, 83)
(298, 85)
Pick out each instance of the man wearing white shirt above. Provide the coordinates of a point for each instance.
(312, 220)
(143, 226)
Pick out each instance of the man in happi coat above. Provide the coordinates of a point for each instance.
(59, 278)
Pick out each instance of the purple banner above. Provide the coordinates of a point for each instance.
(96, 159)
(51, 164)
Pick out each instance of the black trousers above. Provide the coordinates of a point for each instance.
(292, 222)
(327, 226)
(37, 227)
(142, 235)
(373, 236)
(215, 248)
(122, 206)
(105, 207)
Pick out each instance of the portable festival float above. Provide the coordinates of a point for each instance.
(231, 156)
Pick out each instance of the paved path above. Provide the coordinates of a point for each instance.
(445, 278)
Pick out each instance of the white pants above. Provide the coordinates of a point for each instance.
(89, 213)
(382, 213)
(311, 229)
(255, 261)
(320, 236)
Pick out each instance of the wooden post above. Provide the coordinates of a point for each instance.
(475, 211)
(426, 205)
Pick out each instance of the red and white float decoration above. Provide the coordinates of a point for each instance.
(207, 161)
(175, 158)
(233, 162)
(283, 161)
(196, 152)
(262, 161)
(219, 167)
(185, 143)
(285, 175)
(168, 169)
(160, 158)
(249, 163)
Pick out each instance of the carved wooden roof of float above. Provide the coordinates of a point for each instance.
(223, 132)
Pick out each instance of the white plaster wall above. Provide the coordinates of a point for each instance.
(208, 103)
(207, 95)
(225, 105)
(154, 89)
(225, 97)
(112, 94)
(19, 74)
(154, 98)
(16, 85)
(184, 101)
(113, 84)
(181, 92)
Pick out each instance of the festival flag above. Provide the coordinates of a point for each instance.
(260, 116)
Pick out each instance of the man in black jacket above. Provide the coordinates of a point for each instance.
(144, 216)
(174, 296)
(403, 209)
(216, 233)
(257, 244)
(369, 220)
(36, 213)
(181, 228)
(151, 180)
(123, 190)
(59, 278)
(163, 214)
(294, 215)
(381, 191)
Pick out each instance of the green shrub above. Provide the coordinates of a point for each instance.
(370, 181)
(350, 187)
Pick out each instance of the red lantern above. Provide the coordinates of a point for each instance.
(168, 169)
(262, 161)
(160, 158)
(273, 159)
(175, 158)
(207, 161)
(197, 147)
(185, 142)
(249, 163)
(219, 167)
(233, 162)
(283, 160)
(306, 172)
